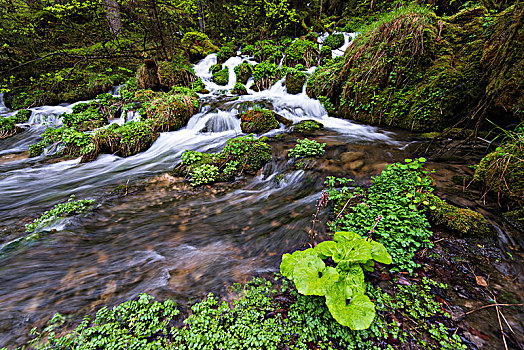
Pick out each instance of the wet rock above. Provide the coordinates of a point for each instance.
(461, 292)
(347, 157)
(356, 165)
(478, 341)
(285, 121)
(457, 313)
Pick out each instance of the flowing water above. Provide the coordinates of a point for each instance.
(164, 237)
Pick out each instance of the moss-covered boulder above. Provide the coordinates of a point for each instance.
(22, 116)
(326, 53)
(220, 76)
(239, 89)
(265, 75)
(502, 171)
(241, 155)
(307, 126)
(197, 45)
(334, 41)
(295, 81)
(326, 80)
(175, 73)
(462, 221)
(302, 51)
(258, 121)
(171, 111)
(84, 117)
(243, 71)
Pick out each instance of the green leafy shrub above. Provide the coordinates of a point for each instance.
(302, 51)
(334, 41)
(307, 148)
(308, 270)
(225, 52)
(389, 208)
(265, 75)
(22, 116)
(84, 117)
(203, 174)
(71, 207)
(239, 89)
(74, 143)
(8, 127)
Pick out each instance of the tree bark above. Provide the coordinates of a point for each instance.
(113, 16)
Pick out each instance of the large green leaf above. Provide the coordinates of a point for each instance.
(326, 249)
(379, 253)
(288, 264)
(312, 277)
(357, 315)
(350, 249)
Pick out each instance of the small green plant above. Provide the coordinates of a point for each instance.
(191, 157)
(307, 148)
(203, 174)
(388, 210)
(60, 210)
(345, 281)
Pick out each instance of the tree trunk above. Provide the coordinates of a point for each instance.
(113, 16)
(201, 21)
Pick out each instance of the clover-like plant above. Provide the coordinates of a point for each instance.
(342, 284)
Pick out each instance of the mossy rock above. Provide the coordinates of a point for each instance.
(258, 121)
(175, 74)
(197, 45)
(295, 81)
(464, 222)
(239, 89)
(221, 77)
(225, 53)
(326, 54)
(84, 117)
(437, 72)
(171, 111)
(307, 126)
(22, 116)
(243, 71)
(334, 41)
(241, 155)
(502, 171)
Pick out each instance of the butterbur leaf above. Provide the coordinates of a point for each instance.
(350, 282)
(358, 315)
(288, 265)
(379, 253)
(312, 277)
(326, 249)
(351, 248)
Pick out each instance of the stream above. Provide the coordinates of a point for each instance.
(164, 237)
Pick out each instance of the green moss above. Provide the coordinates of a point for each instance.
(295, 80)
(302, 51)
(221, 76)
(307, 126)
(171, 111)
(197, 45)
(243, 71)
(325, 81)
(239, 89)
(258, 121)
(225, 52)
(334, 41)
(175, 73)
(465, 222)
(502, 171)
(326, 54)
(241, 155)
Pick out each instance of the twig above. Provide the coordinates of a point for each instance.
(490, 305)
(379, 218)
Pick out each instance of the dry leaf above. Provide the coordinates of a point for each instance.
(481, 281)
